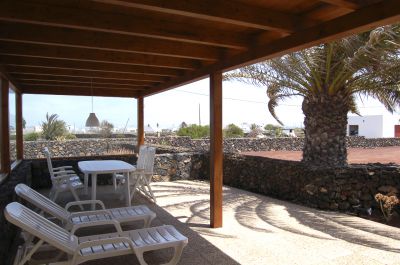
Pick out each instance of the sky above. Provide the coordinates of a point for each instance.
(243, 103)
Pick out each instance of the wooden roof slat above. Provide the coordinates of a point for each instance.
(15, 69)
(92, 66)
(230, 12)
(60, 16)
(357, 21)
(74, 91)
(27, 33)
(90, 55)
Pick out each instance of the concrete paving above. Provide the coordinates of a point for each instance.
(260, 230)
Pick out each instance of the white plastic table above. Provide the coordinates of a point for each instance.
(96, 167)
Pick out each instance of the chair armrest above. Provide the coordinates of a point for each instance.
(85, 202)
(65, 172)
(62, 177)
(63, 168)
(115, 223)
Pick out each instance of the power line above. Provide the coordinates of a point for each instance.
(259, 102)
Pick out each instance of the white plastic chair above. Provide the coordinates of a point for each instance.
(82, 249)
(140, 179)
(69, 219)
(62, 179)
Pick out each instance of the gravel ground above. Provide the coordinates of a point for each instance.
(355, 155)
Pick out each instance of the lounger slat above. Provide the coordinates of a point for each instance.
(146, 237)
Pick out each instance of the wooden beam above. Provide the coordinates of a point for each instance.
(140, 122)
(369, 17)
(12, 70)
(343, 3)
(78, 91)
(90, 55)
(90, 66)
(216, 150)
(51, 14)
(28, 33)
(229, 12)
(4, 128)
(21, 78)
(83, 86)
(52, 83)
(19, 126)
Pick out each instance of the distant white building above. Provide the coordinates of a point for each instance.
(374, 126)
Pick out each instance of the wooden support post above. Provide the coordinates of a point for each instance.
(19, 126)
(140, 122)
(216, 150)
(4, 127)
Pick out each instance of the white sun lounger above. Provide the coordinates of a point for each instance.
(81, 249)
(71, 219)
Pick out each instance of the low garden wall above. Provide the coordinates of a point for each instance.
(101, 146)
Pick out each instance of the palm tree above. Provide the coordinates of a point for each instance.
(53, 127)
(329, 77)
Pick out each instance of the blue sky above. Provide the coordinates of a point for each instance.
(242, 103)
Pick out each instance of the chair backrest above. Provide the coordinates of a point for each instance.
(48, 158)
(146, 158)
(40, 227)
(42, 202)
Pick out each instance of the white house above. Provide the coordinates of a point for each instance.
(374, 126)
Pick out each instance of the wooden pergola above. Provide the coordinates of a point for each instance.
(137, 48)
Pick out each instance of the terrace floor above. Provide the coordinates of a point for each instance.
(260, 230)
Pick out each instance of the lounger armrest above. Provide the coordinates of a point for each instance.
(114, 240)
(65, 172)
(85, 202)
(115, 223)
(63, 168)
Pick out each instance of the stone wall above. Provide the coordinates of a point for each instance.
(20, 174)
(96, 147)
(333, 189)
(80, 147)
(234, 145)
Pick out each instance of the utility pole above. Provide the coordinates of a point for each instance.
(199, 116)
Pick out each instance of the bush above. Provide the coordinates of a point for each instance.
(194, 131)
(33, 136)
(233, 131)
(273, 130)
(106, 128)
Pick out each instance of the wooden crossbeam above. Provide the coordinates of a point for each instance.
(80, 80)
(38, 71)
(363, 19)
(343, 3)
(39, 34)
(51, 14)
(40, 83)
(90, 55)
(230, 12)
(92, 66)
(79, 91)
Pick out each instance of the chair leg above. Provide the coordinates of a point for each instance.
(139, 256)
(115, 181)
(55, 196)
(177, 255)
(76, 197)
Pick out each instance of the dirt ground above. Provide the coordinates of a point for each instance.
(355, 155)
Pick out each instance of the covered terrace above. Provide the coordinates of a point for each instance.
(138, 48)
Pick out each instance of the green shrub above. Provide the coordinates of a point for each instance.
(233, 131)
(33, 136)
(194, 131)
(273, 130)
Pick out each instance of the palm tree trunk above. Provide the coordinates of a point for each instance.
(325, 131)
